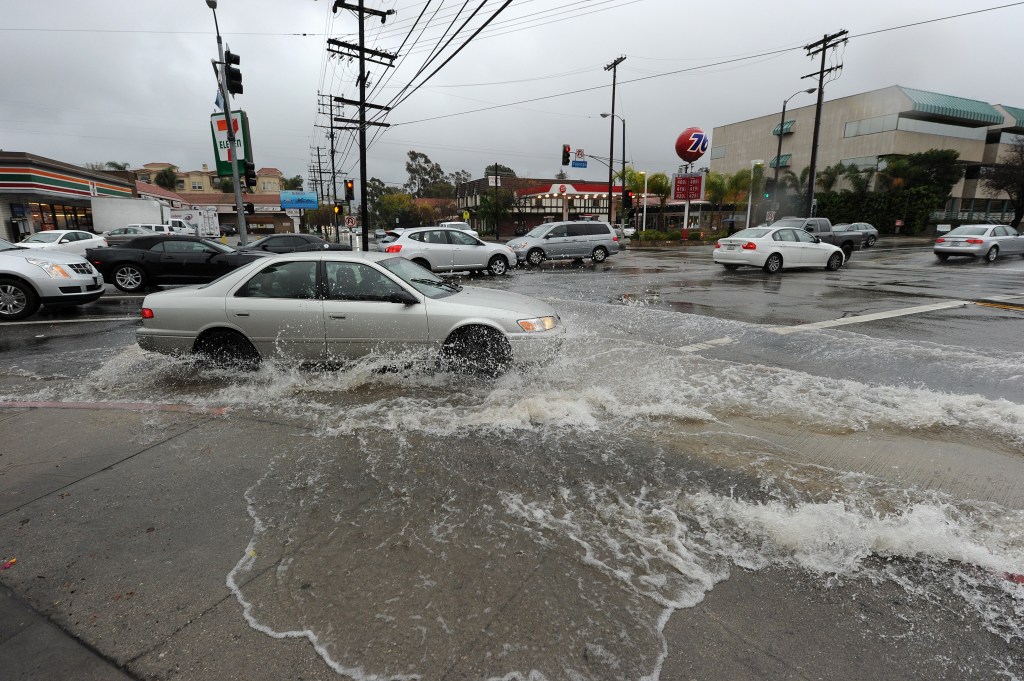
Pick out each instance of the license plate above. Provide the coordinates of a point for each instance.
(730, 247)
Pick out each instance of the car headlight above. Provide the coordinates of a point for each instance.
(518, 244)
(538, 324)
(52, 269)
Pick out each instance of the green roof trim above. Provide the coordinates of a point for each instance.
(953, 107)
(780, 161)
(786, 129)
(1018, 114)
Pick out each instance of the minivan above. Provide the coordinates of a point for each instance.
(572, 240)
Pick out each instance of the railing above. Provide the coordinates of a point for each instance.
(1003, 217)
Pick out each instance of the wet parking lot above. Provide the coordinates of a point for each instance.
(724, 475)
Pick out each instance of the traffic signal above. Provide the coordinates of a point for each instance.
(337, 210)
(350, 190)
(769, 187)
(565, 154)
(232, 75)
(627, 200)
(250, 174)
(250, 209)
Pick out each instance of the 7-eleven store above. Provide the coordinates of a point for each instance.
(39, 193)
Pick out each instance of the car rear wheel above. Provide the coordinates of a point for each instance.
(871, 241)
(835, 261)
(992, 254)
(477, 350)
(129, 278)
(497, 266)
(228, 349)
(847, 249)
(17, 300)
(535, 257)
(424, 264)
(773, 264)
(942, 256)
(600, 254)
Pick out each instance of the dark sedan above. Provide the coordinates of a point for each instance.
(292, 243)
(166, 260)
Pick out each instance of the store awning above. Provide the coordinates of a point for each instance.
(780, 161)
(938, 107)
(786, 129)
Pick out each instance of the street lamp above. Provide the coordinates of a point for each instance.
(606, 115)
(644, 223)
(750, 195)
(782, 124)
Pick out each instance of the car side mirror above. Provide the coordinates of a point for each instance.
(402, 297)
(817, 240)
(64, 241)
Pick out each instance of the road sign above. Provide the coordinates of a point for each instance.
(350, 221)
(579, 164)
(769, 217)
(580, 155)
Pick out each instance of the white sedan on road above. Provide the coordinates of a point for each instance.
(449, 250)
(775, 248)
(67, 240)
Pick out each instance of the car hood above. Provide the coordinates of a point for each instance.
(501, 300)
(60, 257)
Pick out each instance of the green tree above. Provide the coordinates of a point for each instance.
(428, 180)
(659, 184)
(1007, 176)
(292, 183)
(829, 176)
(167, 178)
(503, 171)
(716, 188)
(561, 175)
(227, 185)
(859, 179)
(114, 165)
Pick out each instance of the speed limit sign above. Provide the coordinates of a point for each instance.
(350, 220)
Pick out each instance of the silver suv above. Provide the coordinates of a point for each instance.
(441, 249)
(30, 278)
(573, 240)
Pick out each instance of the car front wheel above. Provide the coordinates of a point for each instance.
(477, 350)
(497, 266)
(535, 257)
(773, 264)
(600, 254)
(835, 261)
(129, 278)
(17, 300)
(871, 241)
(847, 249)
(992, 254)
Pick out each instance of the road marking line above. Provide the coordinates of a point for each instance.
(859, 319)
(75, 321)
(117, 406)
(706, 345)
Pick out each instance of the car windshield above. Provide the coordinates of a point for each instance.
(538, 231)
(789, 222)
(420, 278)
(970, 230)
(6, 245)
(43, 238)
(842, 228)
(752, 233)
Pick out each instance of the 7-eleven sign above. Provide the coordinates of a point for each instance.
(222, 147)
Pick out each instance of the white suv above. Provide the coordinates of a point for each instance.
(30, 278)
(442, 249)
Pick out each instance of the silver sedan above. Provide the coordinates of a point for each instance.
(450, 250)
(332, 307)
(987, 241)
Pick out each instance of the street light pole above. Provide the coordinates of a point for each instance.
(645, 203)
(606, 115)
(782, 125)
(750, 194)
(613, 67)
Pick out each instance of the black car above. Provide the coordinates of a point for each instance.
(166, 259)
(290, 243)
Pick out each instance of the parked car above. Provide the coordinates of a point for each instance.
(75, 241)
(629, 232)
(379, 234)
(449, 250)
(774, 248)
(463, 226)
(987, 241)
(822, 228)
(330, 306)
(31, 277)
(574, 240)
(121, 235)
(869, 232)
(289, 243)
(165, 259)
(174, 227)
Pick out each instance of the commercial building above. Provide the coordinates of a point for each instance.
(39, 193)
(864, 129)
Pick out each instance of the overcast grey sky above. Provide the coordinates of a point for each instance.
(130, 80)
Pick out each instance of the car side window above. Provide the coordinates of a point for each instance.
(558, 231)
(418, 236)
(802, 236)
(356, 281)
(1000, 231)
(435, 236)
(461, 239)
(293, 280)
(785, 235)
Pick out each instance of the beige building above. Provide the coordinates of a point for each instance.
(268, 180)
(864, 129)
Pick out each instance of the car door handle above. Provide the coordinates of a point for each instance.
(241, 314)
(337, 316)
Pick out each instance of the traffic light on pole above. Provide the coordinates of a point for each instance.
(250, 174)
(769, 187)
(627, 199)
(565, 154)
(350, 190)
(232, 75)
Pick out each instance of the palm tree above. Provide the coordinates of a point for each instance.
(859, 179)
(167, 178)
(716, 188)
(114, 165)
(661, 186)
(828, 177)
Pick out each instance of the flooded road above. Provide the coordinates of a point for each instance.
(558, 522)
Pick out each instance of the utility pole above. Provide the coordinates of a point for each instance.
(821, 46)
(377, 57)
(613, 67)
(496, 183)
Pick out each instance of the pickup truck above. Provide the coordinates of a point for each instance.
(849, 241)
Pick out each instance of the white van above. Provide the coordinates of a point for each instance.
(174, 227)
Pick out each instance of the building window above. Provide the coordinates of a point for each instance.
(197, 185)
(717, 152)
(863, 163)
(890, 122)
(180, 184)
